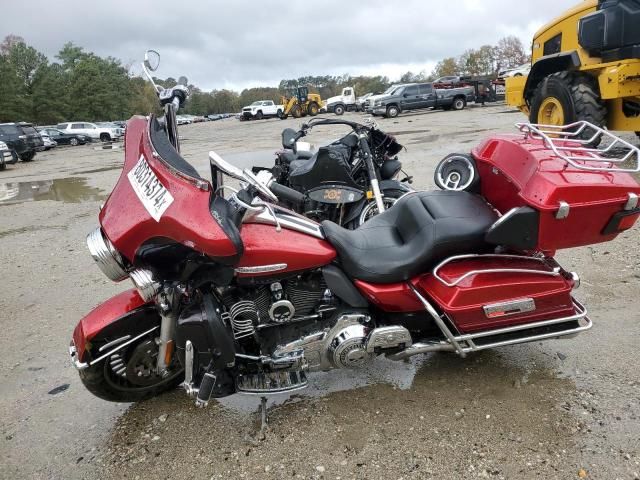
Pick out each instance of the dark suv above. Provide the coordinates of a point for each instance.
(22, 138)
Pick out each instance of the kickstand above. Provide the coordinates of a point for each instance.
(263, 415)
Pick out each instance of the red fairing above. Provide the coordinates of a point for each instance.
(516, 172)
(263, 245)
(102, 316)
(394, 297)
(187, 220)
(464, 302)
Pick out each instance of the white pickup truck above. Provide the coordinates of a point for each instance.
(261, 109)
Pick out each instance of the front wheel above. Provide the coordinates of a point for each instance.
(128, 375)
(27, 157)
(370, 210)
(259, 116)
(392, 111)
(105, 137)
(338, 110)
(73, 142)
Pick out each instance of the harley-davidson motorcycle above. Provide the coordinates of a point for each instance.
(239, 294)
(348, 181)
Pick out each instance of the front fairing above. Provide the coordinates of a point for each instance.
(187, 220)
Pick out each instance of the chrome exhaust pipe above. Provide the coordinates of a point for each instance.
(418, 348)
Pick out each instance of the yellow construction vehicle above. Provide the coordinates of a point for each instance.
(585, 66)
(300, 103)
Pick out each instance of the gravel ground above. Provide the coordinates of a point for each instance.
(555, 410)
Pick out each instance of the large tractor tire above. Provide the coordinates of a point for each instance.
(296, 111)
(312, 109)
(567, 97)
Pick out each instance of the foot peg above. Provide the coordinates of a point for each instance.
(205, 390)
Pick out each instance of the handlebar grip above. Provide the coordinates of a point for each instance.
(285, 193)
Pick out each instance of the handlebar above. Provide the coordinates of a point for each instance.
(285, 193)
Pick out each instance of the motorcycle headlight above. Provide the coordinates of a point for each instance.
(106, 256)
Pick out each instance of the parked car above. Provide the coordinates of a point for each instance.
(262, 109)
(48, 143)
(21, 138)
(63, 138)
(102, 133)
(519, 71)
(422, 95)
(5, 156)
(368, 104)
(360, 101)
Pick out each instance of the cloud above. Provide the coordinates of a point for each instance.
(241, 43)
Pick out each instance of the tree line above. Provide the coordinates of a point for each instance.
(81, 85)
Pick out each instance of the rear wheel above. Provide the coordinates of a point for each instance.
(393, 111)
(567, 97)
(313, 109)
(73, 142)
(338, 110)
(280, 115)
(458, 104)
(129, 375)
(3, 165)
(27, 157)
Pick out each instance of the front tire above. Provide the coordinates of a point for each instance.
(105, 137)
(259, 115)
(370, 209)
(392, 111)
(296, 111)
(104, 382)
(74, 142)
(27, 157)
(338, 110)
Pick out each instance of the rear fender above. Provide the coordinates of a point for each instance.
(125, 316)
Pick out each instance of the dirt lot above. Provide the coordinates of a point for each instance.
(558, 410)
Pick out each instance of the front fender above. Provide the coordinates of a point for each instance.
(124, 314)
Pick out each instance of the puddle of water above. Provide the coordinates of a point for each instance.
(67, 190)
(382, 371)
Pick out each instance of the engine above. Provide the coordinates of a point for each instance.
(277, 303)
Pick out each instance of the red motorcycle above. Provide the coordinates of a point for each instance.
(241, 295)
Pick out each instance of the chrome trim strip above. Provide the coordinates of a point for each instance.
(114, 342)
(632, 201)
(275, 267)
(555, 272)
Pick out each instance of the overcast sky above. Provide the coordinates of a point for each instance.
(240, 43)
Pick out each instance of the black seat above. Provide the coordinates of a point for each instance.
(420, 230)
(289, 156)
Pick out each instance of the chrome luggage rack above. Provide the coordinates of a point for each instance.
(586, 146)
(555, 271)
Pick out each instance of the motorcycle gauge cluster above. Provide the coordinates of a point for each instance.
(457, 172)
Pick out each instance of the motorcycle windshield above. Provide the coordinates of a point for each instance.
(159, 195)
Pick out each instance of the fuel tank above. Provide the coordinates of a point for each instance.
(270, 252)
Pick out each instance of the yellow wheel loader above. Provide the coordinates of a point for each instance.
(300, 103)
(585, 65)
